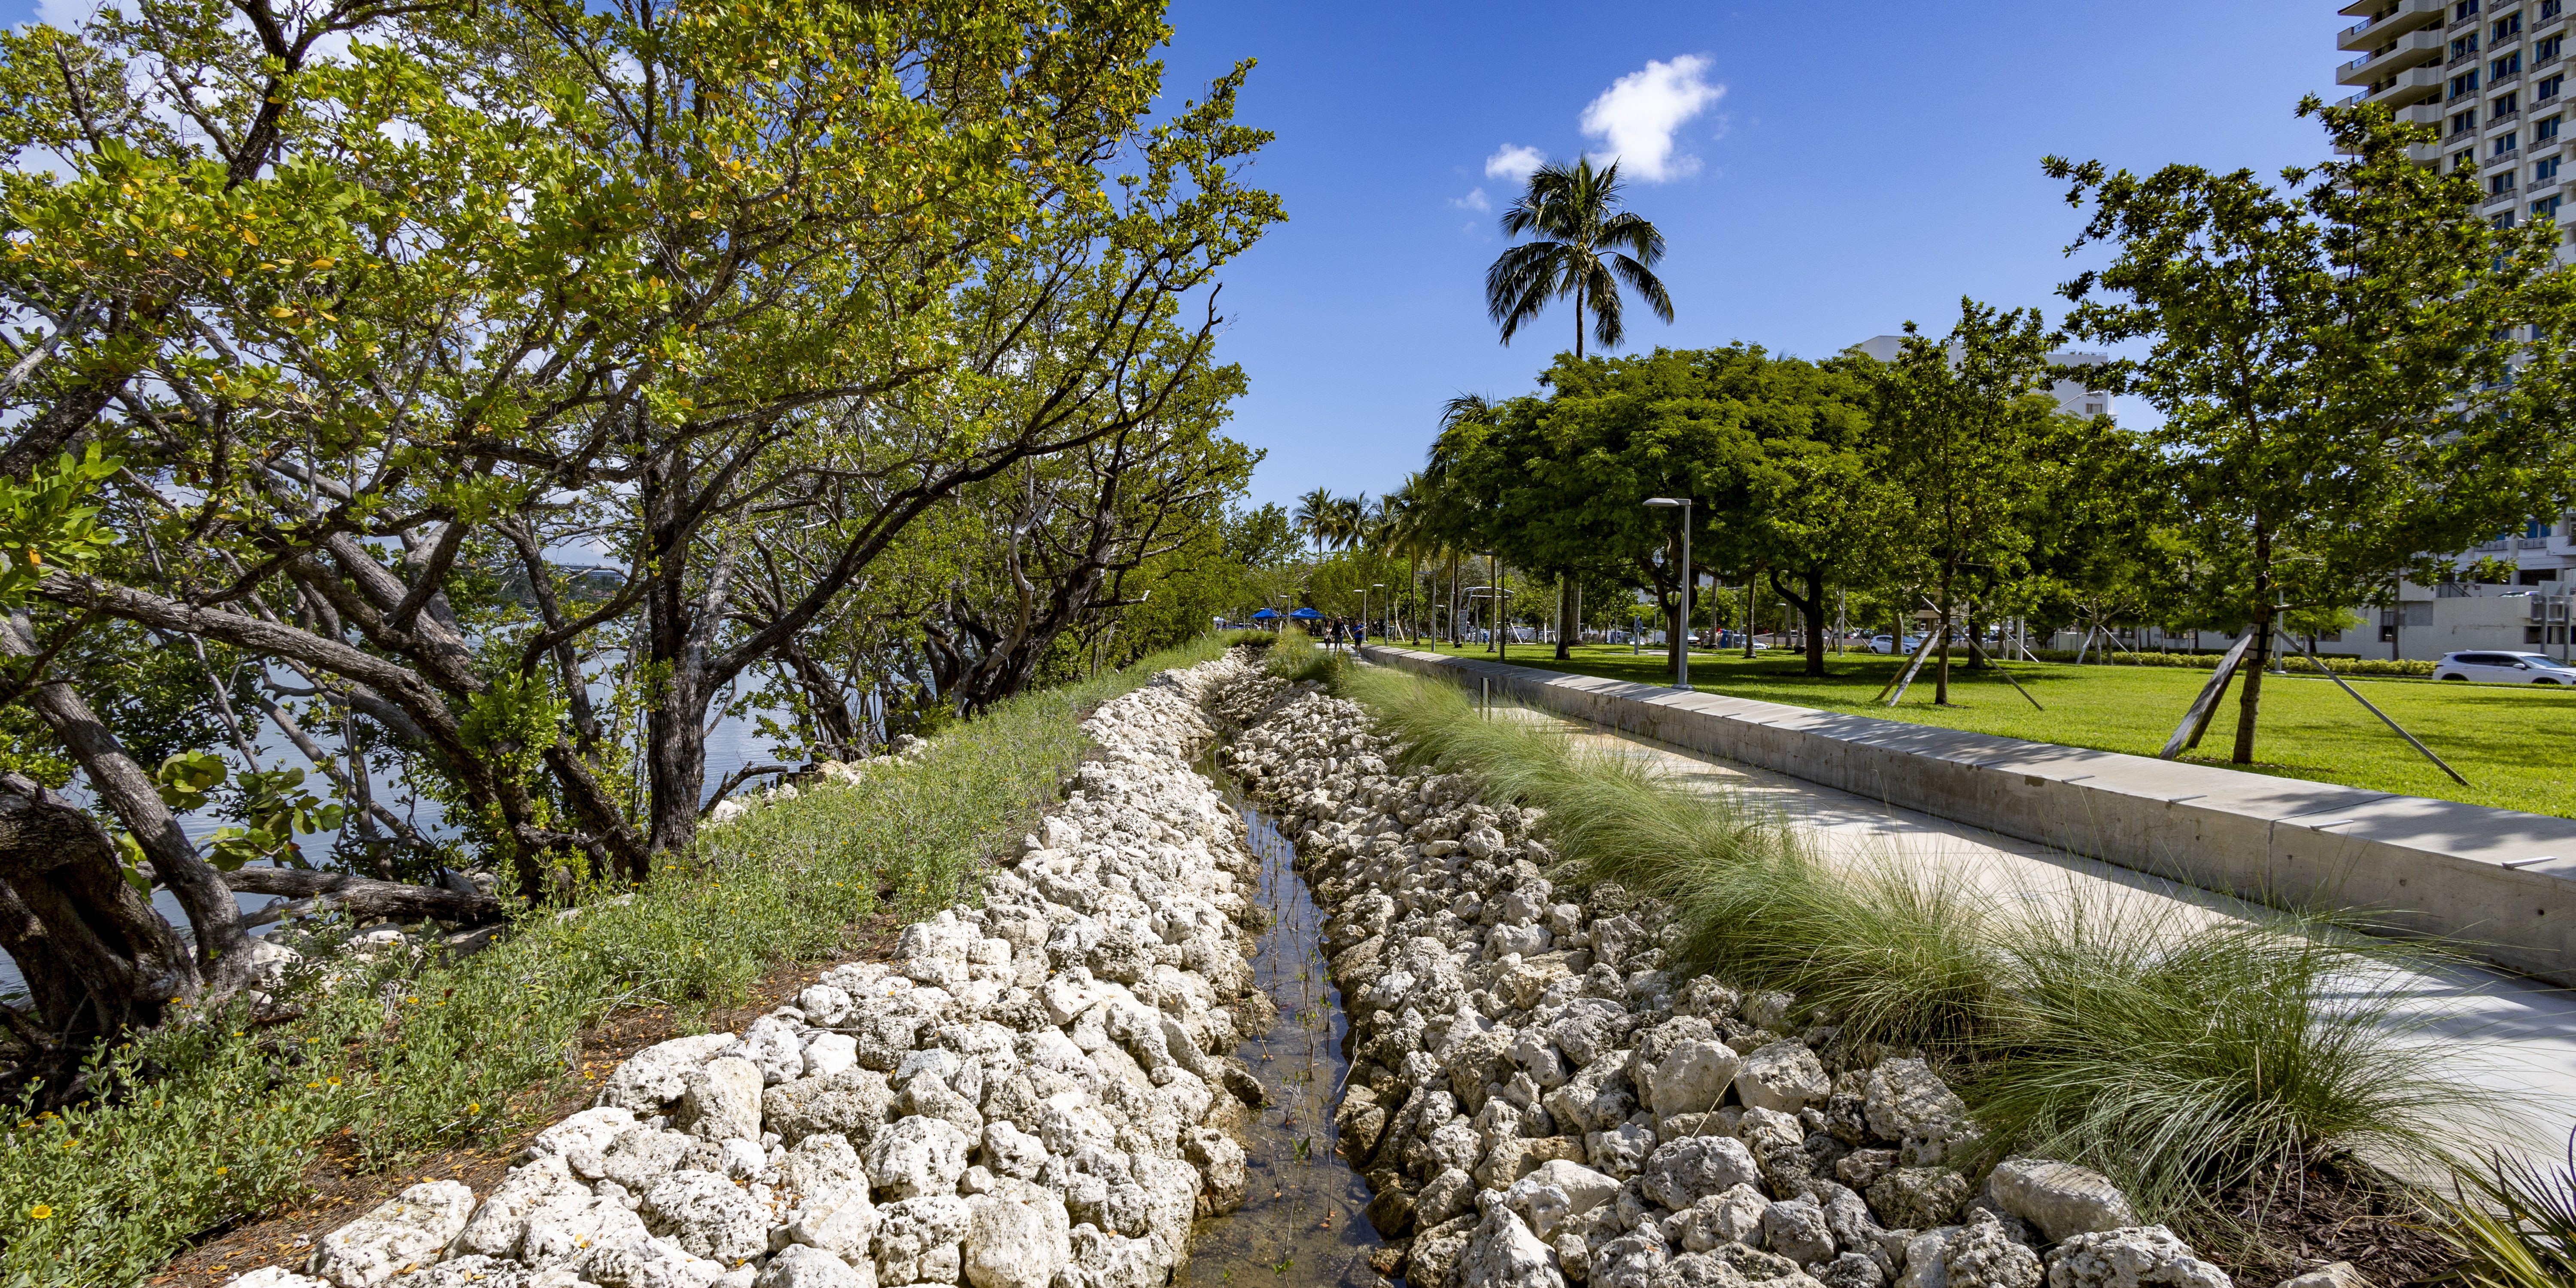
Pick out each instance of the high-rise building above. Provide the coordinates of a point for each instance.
(2070, 395)
(2490, 75)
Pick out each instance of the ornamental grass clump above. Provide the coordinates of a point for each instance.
(2194, 1058)
(2192, 1062)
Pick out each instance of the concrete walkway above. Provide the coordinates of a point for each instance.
(2503, 1032)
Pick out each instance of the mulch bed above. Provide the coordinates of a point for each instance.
(340, 1189)
(2336, 1211)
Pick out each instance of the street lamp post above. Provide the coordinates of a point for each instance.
(1364, 598)
(1682, 680)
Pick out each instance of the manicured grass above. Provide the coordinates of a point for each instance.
(2508, 740)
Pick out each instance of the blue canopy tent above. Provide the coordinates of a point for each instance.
(1307, 615)
(1265, 615)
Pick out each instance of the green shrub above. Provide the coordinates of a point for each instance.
(211, 1123)
(2183, 1057)
(2296, 663)
(1295, 657)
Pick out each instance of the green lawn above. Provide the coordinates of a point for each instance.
(2512, 741)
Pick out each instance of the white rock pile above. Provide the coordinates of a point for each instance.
(1034, 1093)
(1537, 1101)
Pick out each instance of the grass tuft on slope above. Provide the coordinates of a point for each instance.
(209, 1124)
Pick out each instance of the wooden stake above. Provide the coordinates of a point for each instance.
(2196, 721)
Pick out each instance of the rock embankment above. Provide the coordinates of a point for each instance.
(1034, 1093)
(1537, 1100)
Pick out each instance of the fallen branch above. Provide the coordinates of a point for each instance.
(365, 898)
(737, 779)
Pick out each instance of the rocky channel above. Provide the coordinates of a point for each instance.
(1036, 1092)
(1537, 1101)
(1033, 1093)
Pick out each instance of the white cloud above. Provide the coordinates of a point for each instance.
(1514, 162)
(1474, 200)
(1635, 118)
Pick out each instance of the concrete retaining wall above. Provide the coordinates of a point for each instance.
(2502, 883)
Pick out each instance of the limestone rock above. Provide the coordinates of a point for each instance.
(276, 1277)
(409, 1230)
(1504, 1253)
(2132, 1257)
(1795, 1228)
(2339, 1275)
(1918, 1198)
(1019, 1240)
(2063, 1200)
(498, 1225)
(918, 1156)
(720, 1100)
(707, 1215)
(655, 1076)
(583, 1139)
(1677, 1174)
(1733, 1215)
(1784, 1076)
(798, 1266)
(1979, 1254)
(853, 1103)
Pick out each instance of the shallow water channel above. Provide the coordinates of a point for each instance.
(1301, 1221)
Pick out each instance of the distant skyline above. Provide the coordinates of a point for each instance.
(1822, 174)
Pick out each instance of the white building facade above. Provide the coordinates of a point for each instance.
(2492, 77)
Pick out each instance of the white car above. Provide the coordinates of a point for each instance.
(2504, 668)
(1887, 644)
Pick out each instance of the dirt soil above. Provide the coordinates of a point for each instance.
(340, 1191)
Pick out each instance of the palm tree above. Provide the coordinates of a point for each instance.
(1351, 522)
(1318, 514)
(1587, 247)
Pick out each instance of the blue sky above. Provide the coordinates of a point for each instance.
(1856, 165)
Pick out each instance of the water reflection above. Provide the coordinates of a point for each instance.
(1301, 1222)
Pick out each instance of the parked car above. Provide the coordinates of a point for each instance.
(2504, 668)
(1888, 644)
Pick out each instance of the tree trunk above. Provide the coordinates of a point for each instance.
(223, 946)
(1811, 609)
(2249, 700)
(1752, 600)
(1941, 674)
(103, 937)
(1564, 615)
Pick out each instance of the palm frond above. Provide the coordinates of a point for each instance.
(1643, 281)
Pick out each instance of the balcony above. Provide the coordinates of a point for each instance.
(2404, 86)
(2502, 159)
(2500, 199)
(2410, 15)
(2413, 50)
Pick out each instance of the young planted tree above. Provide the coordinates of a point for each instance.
(2355, 366)
(1586, 248)
(1959, 417)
